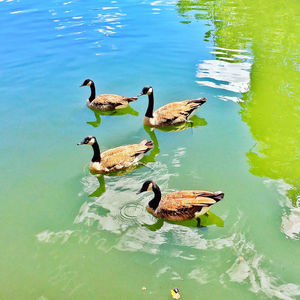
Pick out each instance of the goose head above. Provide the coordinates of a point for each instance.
(147, 186)
(87, 82)
(88, 140)
(147, 90)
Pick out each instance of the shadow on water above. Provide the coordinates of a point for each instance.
(120, 112)
(205, 220)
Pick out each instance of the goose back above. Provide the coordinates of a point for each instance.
(174, 112)
(183, 205)
(107, 102)
(121, 157)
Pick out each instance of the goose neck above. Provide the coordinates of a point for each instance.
(97, 155)
(93, 92)
(149, 112)
(157, 196)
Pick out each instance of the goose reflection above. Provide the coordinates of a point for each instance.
(155, 150)
(120, 112)
(206, 220)
(193, 122)
(101, 189)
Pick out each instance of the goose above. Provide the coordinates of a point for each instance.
(170, 114)
(115, 159)
(180, 205)
(105, 102)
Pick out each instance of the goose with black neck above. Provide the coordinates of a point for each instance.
(105, 102)
(115, 159)
(170, 114)
(180, 205)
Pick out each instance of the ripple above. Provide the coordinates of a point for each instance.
(107, 23)
(23, 11)
(131, 211)
(125, 209)
(178, 154)
(243, 266)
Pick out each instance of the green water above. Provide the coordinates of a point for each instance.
(66, 234)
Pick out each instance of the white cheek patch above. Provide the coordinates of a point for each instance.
(89, 83)
(150, 91)
(149, 187)
(91, 142)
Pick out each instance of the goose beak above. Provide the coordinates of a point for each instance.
(81, 143)
(81, 85)
(140, 94)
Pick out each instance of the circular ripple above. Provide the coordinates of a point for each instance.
(131, 211)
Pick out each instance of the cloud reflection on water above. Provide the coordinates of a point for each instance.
(230, 71)
(125, 215)
(290, 221)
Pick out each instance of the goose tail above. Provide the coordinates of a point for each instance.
(219, 195)
(148, 144)
(199, 101)
(131, 99)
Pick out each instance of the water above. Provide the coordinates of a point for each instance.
(63, 236)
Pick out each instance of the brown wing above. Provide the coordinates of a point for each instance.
(111, 100)
(124, 156)
(176, 112)
(186, 199)
(183, 205)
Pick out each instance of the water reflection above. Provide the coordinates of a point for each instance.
(123, 210)
(244, 263)
(101, 189)
(155, 151)
(123, 213)
(230, 70)
(230, 76)
(291, 215)
(205, 220)
(193, 122)
(268, 84)
(120, 112)
(120, 200)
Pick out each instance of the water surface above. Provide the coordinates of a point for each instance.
(69, 235)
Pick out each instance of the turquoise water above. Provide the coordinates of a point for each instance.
(62, 236)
